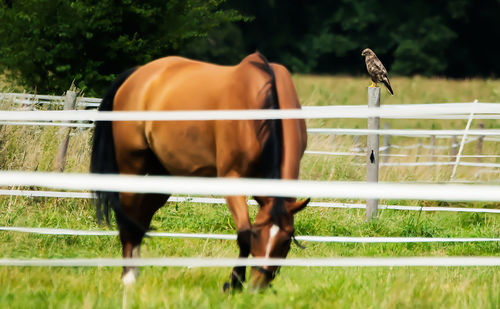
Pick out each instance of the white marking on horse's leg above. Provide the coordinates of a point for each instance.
(129, 277)
(273, 231)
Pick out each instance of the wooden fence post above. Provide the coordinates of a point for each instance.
(479, 145)
(386, 144)
(60, 161)
(372, 158)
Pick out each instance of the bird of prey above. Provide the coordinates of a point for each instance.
(376, 69)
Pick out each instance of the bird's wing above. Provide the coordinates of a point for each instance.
(383, 77)
(387, 83)
(372, 67)
(378, 65)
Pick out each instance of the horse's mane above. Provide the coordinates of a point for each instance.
(272, 95)
(272, 152)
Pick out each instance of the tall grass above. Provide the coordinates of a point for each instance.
(34, 148)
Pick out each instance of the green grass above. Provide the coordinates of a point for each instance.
(33, 149)
(294, 287)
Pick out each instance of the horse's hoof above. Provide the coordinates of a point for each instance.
(129, 278)
(232, 287)
(226, 287)
(237, 286)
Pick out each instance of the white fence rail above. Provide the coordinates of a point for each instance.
(413, 111)
(208, 200)
(329, 131)
(474, 164)
(228, 262)
(31, 99)
(251, 187)
(48, 123)
(447, 110)
(322, 239)
(394, 155)
(404, 132)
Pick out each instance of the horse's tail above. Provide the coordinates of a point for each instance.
(103, 159)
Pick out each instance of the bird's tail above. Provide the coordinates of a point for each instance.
(388, 86)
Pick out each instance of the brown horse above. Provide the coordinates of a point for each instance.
(243, 148)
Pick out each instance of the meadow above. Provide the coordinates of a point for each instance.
(34, 148)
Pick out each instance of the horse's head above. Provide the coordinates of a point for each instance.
(271, 236)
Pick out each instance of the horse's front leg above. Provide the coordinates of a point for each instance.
(239, 209)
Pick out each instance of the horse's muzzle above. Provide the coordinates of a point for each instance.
(260, 277)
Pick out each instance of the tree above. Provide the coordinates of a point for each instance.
(444, 37)
(49, 43)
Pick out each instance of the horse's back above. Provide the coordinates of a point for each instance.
(177, 83)
(203, 148)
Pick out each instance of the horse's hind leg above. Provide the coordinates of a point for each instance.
(140, 209)
(239, 209)
(137, 210)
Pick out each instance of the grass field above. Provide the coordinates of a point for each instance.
(31, 148)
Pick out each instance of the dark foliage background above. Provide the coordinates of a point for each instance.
(48, 43)
(456, 38)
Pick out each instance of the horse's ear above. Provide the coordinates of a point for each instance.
(297, 206)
